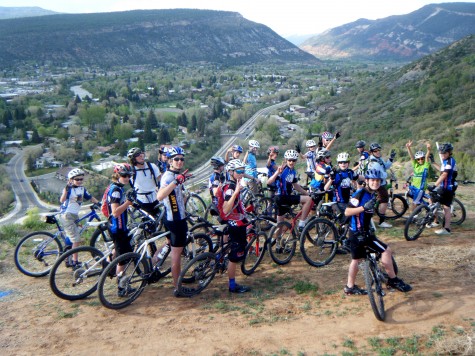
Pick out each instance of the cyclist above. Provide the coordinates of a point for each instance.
(71, 200)
(311, 157)
(285, 179)
(162, 162)
(234, 152)
(272, 153)
(118, 201)
(327, 139)
(376, 162)
(322, 170)
(361, 210)
(144, 180)
(251, 166)
(446, 184)
(361, 165)
(217, 177)
(171, 193)
(233, 212)
(420, 164)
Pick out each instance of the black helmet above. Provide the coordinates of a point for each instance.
(217, 162)
(374, 146)
(446, 147)
(360, 144)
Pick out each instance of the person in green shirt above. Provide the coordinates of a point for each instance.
(420, 164)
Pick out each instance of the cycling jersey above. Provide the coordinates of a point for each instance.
(251, 167)
(116, 195)
(237, 216)
(271, 169)
(144, 182)
(342, 183)
(381, 165)
(311, 157)
(74, 199)
(215, 180)
(285, 181)
(174, 202)
(318, 182)
(363, 163)
(449, 166)
(162, 166)
(419, 180)
(362, 221)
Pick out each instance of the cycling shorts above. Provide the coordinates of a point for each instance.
(284, 203)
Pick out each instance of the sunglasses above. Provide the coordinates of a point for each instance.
(125, 175)
(376, 151)
(176, 159)
(239, 171)
(78, 179)
(291, 160)
(344, 162)
(420, 159)
(138, 154)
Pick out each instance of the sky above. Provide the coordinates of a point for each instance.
(287, 18)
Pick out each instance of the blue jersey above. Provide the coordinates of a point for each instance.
(342, 184)
(285, 181)
(251, 167)
(362, 221)
(449, 166)
(116, 195)
(311, 157)
(271, 169)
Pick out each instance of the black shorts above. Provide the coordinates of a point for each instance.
(359, 241)
(284, 202)
(179, 230)
(122, 245)
(151, 208)
(383, 194)
(447, 197)
(238, 241)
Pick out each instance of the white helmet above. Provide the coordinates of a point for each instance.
(291, 154)
(235, 164)
(310, 143)
(419, 154)
(323, 153)
(75, 172)
(254, 144)
(343, 157)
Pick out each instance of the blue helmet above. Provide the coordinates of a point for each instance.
(373, 174)
(174, 151)
(237, 148)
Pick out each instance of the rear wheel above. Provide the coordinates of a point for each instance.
(282, 243)
(195, 205)
(79, 282)
(202, 244)
(318, 242)
(374, 287)
(416, 223)
(397, 207)
(254, 253)
(119, 292)
(458, 212)
(197, 274)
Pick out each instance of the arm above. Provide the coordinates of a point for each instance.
(299, 189)
(428, 152)
(64, 195)
(163, 192)
(409, 150)
(117, 210)
(229, 204)
(349, 211)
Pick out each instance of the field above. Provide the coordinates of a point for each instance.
(292, 310)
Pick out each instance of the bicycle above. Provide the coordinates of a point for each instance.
(36, 253)
(397, 204)
(194, 204)
(374, 279)
(425, 214)
(256, 246)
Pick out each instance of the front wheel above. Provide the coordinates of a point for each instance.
(254, 253)
(195, 205)
(282, 243)
(458, 212)
(374, 287)
(416, 223)
(119, 292)
(197, 274)
(72, 283)
(397, 207)
(319, 242)
(36, 253)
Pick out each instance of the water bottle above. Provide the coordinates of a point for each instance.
(163, 252)
(68, 241)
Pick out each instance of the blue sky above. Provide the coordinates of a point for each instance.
(296, 17)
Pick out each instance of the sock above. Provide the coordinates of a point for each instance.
(447, 229)
(232, 283)
(302, 223)
(381, 219)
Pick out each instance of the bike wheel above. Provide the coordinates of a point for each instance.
(133, 280)
(458, 212)
(195, 205)
(36, 253)
(100, 237)
(202, 244)
(374, 287)
(319, 242)
(78, 283)
(212, 219)
(254, 253)
(397, 207)
(198, 274)
(282, 243)
(416, 223)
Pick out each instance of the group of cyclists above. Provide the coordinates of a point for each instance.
(356, 190)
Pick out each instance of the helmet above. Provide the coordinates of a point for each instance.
(174, 151)
(343, 157)
(327, 135)
(254, 144)
(235, 164)
(446, 147)
(237, 148)
(323, 153)
(374, 146)
(419, 154)
(291, 154)
(217, 161)
(360, 144)
(123, 169)
(133, 152)
(75, 172)
(162, 150)
(310, 143)
(373, 174)
(272, 149)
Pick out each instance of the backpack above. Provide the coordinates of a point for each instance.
(105, 206)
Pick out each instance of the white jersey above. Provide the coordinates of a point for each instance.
(74, 200)
(144, 182)
(174, 202)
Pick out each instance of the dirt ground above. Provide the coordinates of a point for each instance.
(292, 310)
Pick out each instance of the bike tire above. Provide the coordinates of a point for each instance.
(416, 223)
(397, 207)
(459, 213)
(70, 284)
(212, 219)
(200, 271)
(135, 275)
(254, 253)
(100, 237)
(36, 253)
(195, 205)
(203, 244)
(282, 248)
(374, 287)
(319, 242)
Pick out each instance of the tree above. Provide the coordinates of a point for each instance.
(164, 136)
(152, 118)
(35, 138)
(30, 163)
(148, 135)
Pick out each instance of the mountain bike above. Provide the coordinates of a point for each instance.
(375, 277)
(36, 253)
(397, 204)
(256, 244)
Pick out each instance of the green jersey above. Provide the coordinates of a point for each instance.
(421, 171)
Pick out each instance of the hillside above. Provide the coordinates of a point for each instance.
(26, 11)
(401, 38)
(155, 37)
